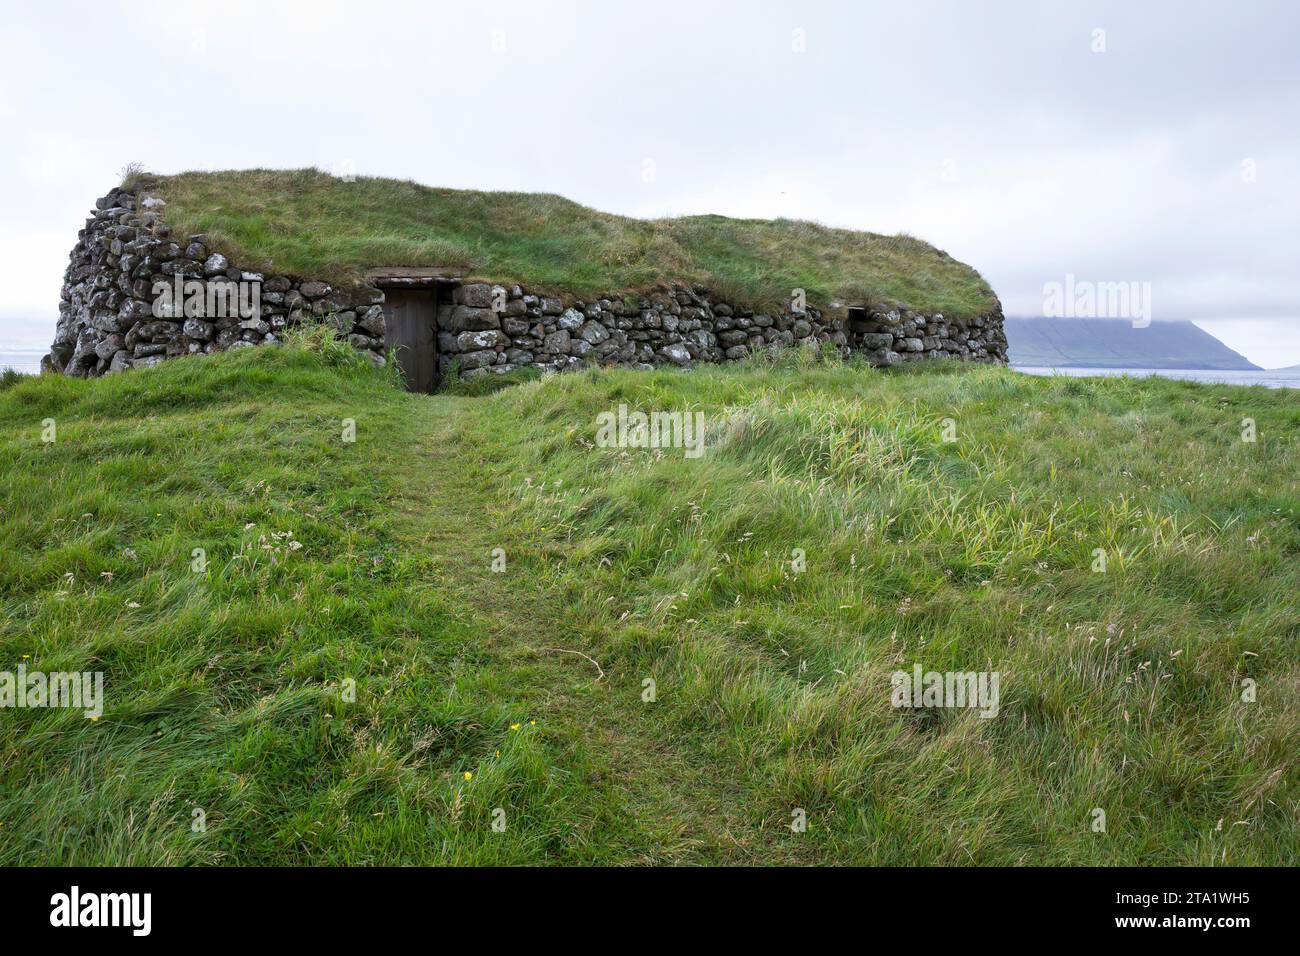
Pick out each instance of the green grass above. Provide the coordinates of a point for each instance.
(308, 223)
(1120, 691)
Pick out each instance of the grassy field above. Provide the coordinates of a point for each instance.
(332, 564)
(306, 222)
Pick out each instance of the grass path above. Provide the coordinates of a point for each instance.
(682, 805)
(326, 562)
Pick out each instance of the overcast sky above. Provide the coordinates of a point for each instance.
(991, 129)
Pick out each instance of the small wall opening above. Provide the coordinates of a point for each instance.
(857, 313)
(410, 337)
(411, 300)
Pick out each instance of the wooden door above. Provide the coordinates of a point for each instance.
(409, 328)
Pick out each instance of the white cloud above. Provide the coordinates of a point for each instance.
(989, 130)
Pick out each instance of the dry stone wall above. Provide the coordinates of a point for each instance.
(487, 329)
(118, 310)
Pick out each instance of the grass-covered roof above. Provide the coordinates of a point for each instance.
(309, 223)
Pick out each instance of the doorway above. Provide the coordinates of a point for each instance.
(409, 331)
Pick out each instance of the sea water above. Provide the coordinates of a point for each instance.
(1278, 378)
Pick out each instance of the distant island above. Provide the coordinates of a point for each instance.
(1115, 343)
